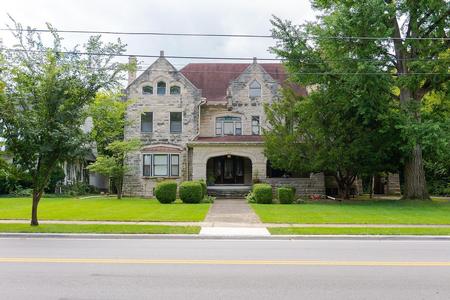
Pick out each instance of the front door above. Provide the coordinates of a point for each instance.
(229, 170)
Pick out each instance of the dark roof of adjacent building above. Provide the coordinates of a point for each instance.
(214, 78)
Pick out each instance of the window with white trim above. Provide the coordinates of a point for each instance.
(161, 165)
(254, 89)
(255, 125)
(228, 125)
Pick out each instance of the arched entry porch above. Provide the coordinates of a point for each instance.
(229, 170)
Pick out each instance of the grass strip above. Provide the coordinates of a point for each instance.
(99, 228)
(359, 230)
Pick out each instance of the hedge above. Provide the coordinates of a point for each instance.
(204, 188)
(191, 192)
(166, 191)
(263, 193)
(285, 195)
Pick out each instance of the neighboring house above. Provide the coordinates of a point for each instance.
(204, 122)
(75, 171)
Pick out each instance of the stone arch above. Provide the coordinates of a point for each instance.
(229, 169)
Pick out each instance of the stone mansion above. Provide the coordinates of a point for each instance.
(205, 122)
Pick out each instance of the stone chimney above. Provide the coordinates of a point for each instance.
(255, 61)
(132, 61)
(161, 53)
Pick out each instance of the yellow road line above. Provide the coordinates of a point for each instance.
(224, 262)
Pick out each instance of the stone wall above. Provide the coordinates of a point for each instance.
(315, 184)
(187, 102)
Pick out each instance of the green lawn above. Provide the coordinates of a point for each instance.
(89, 228)
(357, 212)
(359, 231)
(103, 209)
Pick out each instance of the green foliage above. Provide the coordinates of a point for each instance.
(208, 199)
(262, 193)
(108, 117)
(191, 192)
(204, 188)
(56, 176)
(355, 69)
(78, 189)
(250, 197)
(43, 107)
(166, 191)
(112, 165)
(285, 195)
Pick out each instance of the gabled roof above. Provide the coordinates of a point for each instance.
(214, 78)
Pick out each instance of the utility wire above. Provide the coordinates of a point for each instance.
(225, 35)
(216, 58)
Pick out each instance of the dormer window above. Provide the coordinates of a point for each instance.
(175, 90)
(161, 88)
(254, 89)
(147, 90)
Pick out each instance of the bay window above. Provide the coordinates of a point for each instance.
(161, 165)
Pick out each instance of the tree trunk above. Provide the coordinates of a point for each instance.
(415, 182)
(34, 209)
(372, 186)
(119, 187)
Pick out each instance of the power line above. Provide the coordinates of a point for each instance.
(226, 35)
(216, 57)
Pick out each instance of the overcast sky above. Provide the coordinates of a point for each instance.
(195, 16)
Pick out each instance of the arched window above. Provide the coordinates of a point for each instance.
(175, 90)
(147, 90)
(228, 125)
(161, 88)
(255, 89)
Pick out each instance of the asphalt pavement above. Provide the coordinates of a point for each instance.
(70, 268)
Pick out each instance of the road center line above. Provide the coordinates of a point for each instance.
(224, 262)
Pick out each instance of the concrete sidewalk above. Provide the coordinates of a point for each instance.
(231, 214)
(222, 224)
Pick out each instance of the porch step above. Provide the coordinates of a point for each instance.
(229, 191)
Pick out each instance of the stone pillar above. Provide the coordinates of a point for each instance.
(393, 184)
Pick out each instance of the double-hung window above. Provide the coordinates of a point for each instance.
(228, 126)
(147, 122)
(161, 165)
(255, 125)
(175, 122)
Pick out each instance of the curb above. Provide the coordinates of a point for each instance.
(221, 237)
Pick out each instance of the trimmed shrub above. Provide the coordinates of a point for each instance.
(191, 192)
(166, 191)
(262, 193)
(285, 195)
(204, 188)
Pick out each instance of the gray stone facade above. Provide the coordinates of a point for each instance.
(203, 100)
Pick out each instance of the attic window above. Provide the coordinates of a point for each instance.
(255, 89)
(175, 90)
(161, 88)
(147, 90)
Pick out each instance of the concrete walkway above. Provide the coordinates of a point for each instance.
(221, 224)
(232, 217)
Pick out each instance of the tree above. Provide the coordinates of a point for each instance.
(340, 128)
(108, 117)
(411, 40)
(112, 165)
(48, 89)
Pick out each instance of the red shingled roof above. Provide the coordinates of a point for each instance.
(214, 78)
(230, 138)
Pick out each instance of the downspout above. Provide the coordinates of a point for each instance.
(202, 101)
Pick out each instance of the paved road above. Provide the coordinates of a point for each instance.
(223, 269)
